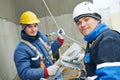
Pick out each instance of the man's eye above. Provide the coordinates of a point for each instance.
(29, 26)
(78, 23)
(86, 19)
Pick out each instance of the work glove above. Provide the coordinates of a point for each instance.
(52, 70)
(60, 33)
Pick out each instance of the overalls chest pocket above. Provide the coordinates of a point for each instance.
(87, 58)
(35, 61)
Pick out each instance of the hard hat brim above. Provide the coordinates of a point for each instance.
(94, 15)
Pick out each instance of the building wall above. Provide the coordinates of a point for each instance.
(115, 14)
(8, 41)
(8, 10)
(110, 12)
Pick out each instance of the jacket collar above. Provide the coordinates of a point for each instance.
(24, 36)
(98, 30)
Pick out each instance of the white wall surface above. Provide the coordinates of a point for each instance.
(8, 41)
(110, 10)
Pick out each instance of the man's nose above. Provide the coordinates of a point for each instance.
(33, 28)
(83, 23)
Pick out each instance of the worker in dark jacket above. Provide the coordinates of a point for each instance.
(102, 57)
(33, 55)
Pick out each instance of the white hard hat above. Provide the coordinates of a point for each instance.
(85, 9)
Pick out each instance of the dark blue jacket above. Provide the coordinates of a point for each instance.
(27, 61)
(102, 59)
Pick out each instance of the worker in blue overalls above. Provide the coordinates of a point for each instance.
(102, 56)
(33, 55)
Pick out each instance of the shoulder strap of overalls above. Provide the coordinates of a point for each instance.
(42, 64)
(47, 47)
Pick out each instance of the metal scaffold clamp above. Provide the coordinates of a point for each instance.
(71, 58)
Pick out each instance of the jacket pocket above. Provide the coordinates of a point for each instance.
(35, 61)
(35, 58)
(87, 58)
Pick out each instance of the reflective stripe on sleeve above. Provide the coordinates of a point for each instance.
(108, 64)
(91, 78)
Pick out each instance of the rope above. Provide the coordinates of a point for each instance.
(58, 26)
(51, 14)
(74, 40)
